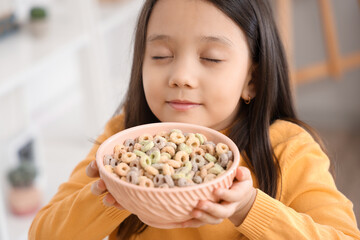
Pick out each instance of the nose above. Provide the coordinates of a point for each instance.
(183, 75)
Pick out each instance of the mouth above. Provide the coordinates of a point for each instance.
(182, 105)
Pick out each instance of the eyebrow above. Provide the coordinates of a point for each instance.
(219, 39)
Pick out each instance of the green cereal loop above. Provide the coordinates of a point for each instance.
(178, 175)
(139, 153)
(210, 157)
(200, 137)
(217, 169)
(187, 168)
(144, 142)
(145, 161)
(155, 156)
(185, 148)
(166, 154)
(146, 147)
(175, 130)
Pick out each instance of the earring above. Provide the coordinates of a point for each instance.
(248, 101)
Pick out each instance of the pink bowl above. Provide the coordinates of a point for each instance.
(159, 207)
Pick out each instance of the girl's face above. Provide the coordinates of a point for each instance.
(196, 64)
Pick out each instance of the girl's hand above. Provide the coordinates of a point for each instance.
(99, 187)
(237, 202)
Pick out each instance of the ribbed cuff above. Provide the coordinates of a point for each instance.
(260, 216)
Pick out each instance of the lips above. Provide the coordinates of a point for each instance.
(182, 105)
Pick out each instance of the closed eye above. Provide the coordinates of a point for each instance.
(212, 60)
(158, 57)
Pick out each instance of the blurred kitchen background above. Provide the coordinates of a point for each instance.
(65, 65)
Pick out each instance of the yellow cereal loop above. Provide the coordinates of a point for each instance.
(152, 170)
(210, 157)
(145, 137)
(209, 177)
(185, 148)
(173, 163)
(128, 157)
(119, 147)
(169, 150)
(166, 169)
(122, 169)
(216, 169)
(197, 151)
(201, 137)
(203, 173)
(145, 161)
(208, 166)
(181, 156)
(109, 168)
(177, 137)
(193, 142)
(208, 148)
(221, 148)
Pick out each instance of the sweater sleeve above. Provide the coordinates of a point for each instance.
(311, 207)
(74, 212)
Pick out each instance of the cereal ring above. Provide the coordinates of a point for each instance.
(107, 159)
(171, 144)
(152, 150)
(147, 146)
(230, 155)
(149, 175)
(221, 148)
(178, 175)
(128, 157)
(209, 177)
(118, 154)
(164, 134)
(195, 167)
(210, 157)
(135, 163)
(145, 137)
(159, 142)
(173, 163)
(201, 137)
(152, 170)
(175, 130)
(181, 156)
(146, 182)
(190, 175)
(145, 161)
(216, 169)
(193, 142)
(137, 146)
(203, 173)
(114, 162)
(210, 142)
(158, 180)
(158, 166)
(177, 137)
(109, 168)
(229, 164)
(166, 169)
(164, 185)
(169, 181)
(182, 182)
(208, 148)
(132, 177)
(198, 160)
(223, 159)
(129, 143)
(185, 148)
(208, 166)
(139, 153)
(155, 156)
(197, 151)
(190, 135)
(123, 179)
(119, 147)
(122, 169)
(197, 179)
(169, 150)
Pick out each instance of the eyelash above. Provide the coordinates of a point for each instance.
(207, 59)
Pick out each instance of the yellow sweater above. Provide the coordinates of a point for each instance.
(310, 206)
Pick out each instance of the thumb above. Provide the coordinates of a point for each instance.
(242, 174)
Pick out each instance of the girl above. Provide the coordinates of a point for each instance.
(219, 64)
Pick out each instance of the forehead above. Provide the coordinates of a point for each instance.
(190, 20)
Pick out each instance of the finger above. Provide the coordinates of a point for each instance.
(237, 193)
(98, 187)
(92, 169)
(223, 210)
(243, 174)
(205, 217)
(109, 201)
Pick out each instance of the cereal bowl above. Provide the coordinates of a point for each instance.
(160, 207)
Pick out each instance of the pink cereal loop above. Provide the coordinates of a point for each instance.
(146, 182)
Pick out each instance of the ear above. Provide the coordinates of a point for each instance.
(249, 89)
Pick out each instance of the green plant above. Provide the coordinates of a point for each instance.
(23, 175)
(38, 13)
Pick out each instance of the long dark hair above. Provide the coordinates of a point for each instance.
(251, 130)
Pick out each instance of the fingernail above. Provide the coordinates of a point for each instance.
(93, 164)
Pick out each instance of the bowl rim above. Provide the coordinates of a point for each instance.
(236, 161)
